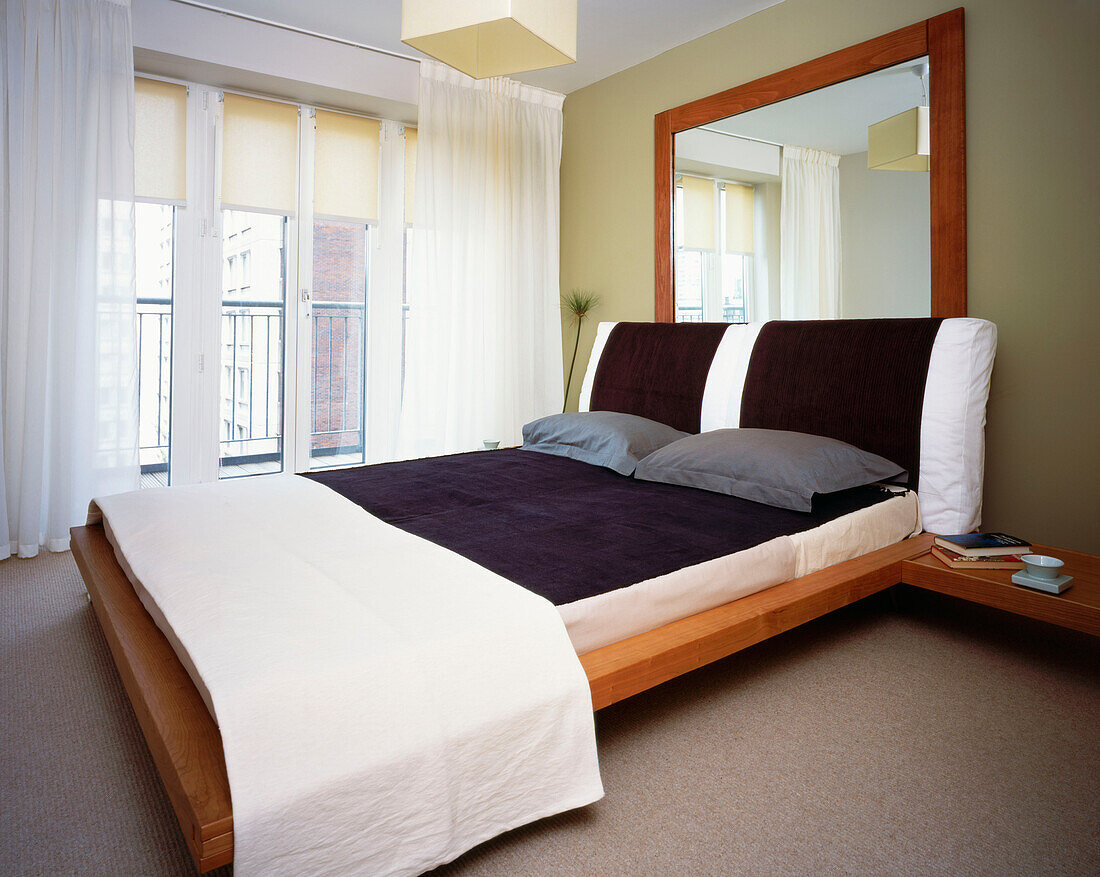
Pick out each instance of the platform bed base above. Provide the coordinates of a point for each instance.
(187, 748)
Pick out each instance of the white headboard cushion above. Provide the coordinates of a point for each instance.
(602, 331)
(726, 379)
(952, 441)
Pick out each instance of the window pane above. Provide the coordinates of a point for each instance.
(253, 311)
(339, 299)
(155, 240)
(735, 269)
(689, 286)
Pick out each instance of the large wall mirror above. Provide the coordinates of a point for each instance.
(834, 189)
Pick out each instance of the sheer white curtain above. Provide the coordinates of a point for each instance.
(809, 235)
(484, 351)
(384, 304)
(68, 366)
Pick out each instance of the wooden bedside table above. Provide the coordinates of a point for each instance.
(1078, 608)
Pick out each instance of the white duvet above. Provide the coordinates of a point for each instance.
(384, 704)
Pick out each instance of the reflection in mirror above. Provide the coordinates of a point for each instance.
(779, 214)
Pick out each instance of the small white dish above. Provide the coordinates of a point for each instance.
(1042, 566)
(1050, 586)
(488, 445)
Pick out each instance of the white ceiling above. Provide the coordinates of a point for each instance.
(611, 34)
(835, 118)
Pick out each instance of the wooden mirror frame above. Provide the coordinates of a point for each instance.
(941, 39)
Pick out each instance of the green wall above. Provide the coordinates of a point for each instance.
(1033, 105)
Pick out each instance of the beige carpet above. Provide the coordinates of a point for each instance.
(941, 739)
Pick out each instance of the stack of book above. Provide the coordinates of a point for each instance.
(981, 551)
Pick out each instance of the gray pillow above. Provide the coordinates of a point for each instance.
(775, 467)
(603, 438)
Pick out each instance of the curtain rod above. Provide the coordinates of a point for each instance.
(738, 136)
(232, 13)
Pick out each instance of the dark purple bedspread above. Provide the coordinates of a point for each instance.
(566, 529)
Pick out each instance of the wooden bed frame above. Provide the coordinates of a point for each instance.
(187, 748)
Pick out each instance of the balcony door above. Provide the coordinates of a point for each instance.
(337, 386)
(270, 242)
(354, 208)
(257, 171)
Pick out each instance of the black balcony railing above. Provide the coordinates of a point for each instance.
(154, 381)
(730, 314)
(252, 392)
(337, 422)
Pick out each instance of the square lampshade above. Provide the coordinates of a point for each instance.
(485, 38)
(900, 143)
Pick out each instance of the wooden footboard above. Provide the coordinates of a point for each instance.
(181, 734)
(186, 744)
(625, 668)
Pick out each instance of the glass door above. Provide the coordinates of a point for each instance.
(344, 211)
(253, 329)
(155, 239)
(258, 184)
(338, 398)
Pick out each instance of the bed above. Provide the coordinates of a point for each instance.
(912, 390)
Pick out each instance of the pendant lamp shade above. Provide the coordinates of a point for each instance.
(900, 143)
(485, 38)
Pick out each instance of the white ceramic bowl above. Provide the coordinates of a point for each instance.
(1041, 566)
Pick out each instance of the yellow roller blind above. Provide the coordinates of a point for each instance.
(738, 218)
(259, 154)
(410, 172)
(698, 213)
(346, 183)
(160, 140)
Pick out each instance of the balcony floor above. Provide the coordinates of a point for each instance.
(160, 479)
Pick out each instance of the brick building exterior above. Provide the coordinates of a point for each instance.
(339, 296)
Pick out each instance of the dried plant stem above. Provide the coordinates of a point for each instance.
(578, 302)
(573, 362)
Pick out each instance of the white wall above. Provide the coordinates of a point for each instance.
(769, 198)
(885, 239)
(186, 42)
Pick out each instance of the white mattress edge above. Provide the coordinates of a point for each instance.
(613, 616)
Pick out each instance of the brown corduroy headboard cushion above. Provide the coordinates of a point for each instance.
(657, 370)
(860, 381)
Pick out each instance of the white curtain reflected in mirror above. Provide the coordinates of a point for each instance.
(758, 236)
(809, 235)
